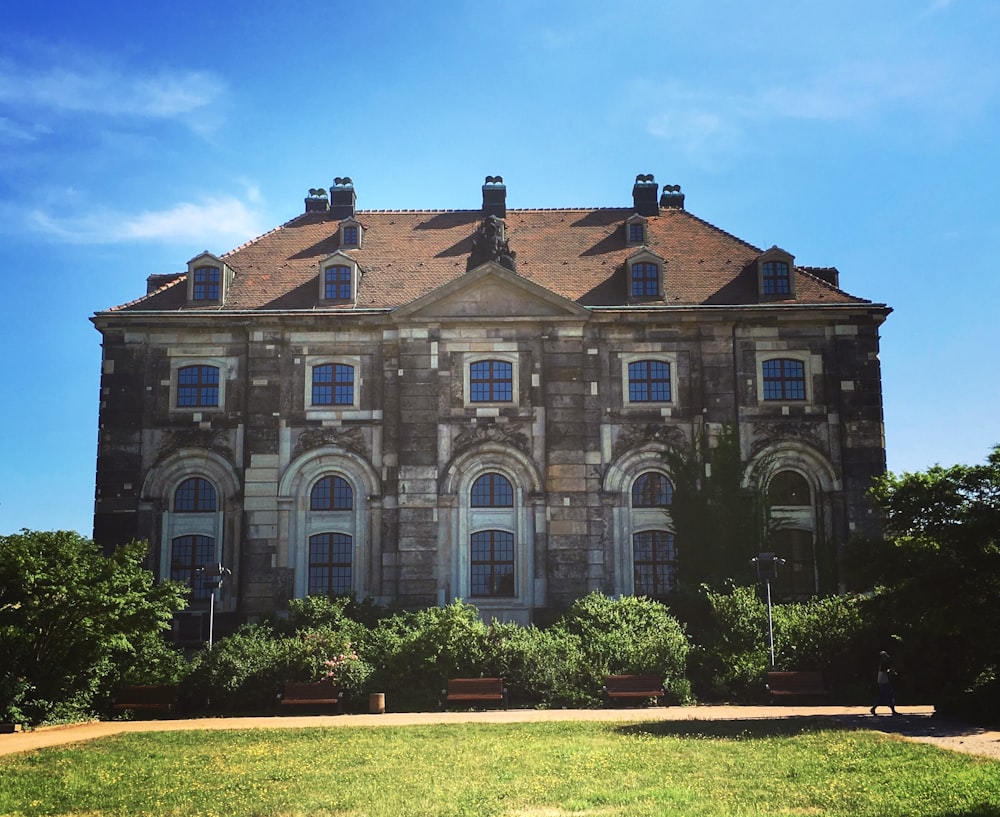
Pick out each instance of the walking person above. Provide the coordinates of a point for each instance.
(886, 697)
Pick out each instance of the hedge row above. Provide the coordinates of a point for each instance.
(708, 646)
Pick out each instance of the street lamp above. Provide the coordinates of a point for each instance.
(214, 575)
(767, 565)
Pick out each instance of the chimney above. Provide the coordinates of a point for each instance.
(672, 197)
(494, 197)
(644, 195)
(316, 201)
(342, 198)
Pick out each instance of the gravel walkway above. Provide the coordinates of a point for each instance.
(913, 723)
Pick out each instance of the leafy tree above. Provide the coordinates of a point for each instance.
(937, 573)
(719, 523)
(69, 615)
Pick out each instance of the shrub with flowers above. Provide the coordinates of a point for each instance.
(348, 671)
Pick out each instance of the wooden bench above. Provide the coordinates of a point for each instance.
(796, 684)
(312, 693)
(474, 691)
(145, 698)
(632, 687)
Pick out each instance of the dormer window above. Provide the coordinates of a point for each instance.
(208, 279)
(338, 279)
(645, 276)
(350, 233)
(635, 231)
(775, 279)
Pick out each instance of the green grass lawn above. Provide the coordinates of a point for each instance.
(521, 770)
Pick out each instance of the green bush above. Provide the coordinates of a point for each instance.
(629, 636)
(729, 656)
(544, 668)
(414, 653)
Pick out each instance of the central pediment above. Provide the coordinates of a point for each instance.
(491, 291)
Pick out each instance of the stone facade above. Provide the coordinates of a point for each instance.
(227, 472)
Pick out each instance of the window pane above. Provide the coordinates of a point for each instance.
(197, 386)
(652, 490)
(645, 279)
(331, 494)
(330, 556)
(492, 557)
(655, 563)
(492, 491)
(337, 283)
(491, 381)
(784, 379)
(195, 495)
(776, 280)
(207, 284)
(649, 381)
(188, 554)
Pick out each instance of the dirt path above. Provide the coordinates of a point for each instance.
(913, 723)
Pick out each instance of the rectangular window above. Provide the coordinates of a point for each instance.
(649, 381)
(333, 385)
(645, 279)
(330, 564)
(491, 381)
(197, 386)
(207, 284)
(337, 283)
(655, 561)
(636, 233)
(784, 379)
(492, 563)
(350, 236)
(188, 558)
(775, 278)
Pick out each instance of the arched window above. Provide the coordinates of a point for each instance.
(195, 495)
(330, 559)
(652, 490)
(331, 494)
(492, 559)
(492, 491)
(188, 554)
(655, 563)
(788, 488)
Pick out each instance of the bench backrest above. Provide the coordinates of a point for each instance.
(633, 683)
(147, 694)
(475, 686)
(802, 679)
(311, 690)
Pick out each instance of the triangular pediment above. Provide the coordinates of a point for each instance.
(491, 290)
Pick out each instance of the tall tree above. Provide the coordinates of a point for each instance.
(67, 614)
(937, 570)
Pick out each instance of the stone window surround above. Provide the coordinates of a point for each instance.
(479, 357)
(227, 369)
(333, 410)
(669, 358)
(811, 366)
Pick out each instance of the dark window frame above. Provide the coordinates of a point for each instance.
(776, 277)
(206, 284)
(198, 386)
(491, 381)
(649, 381)
(338, 282)
(331, 493)
(333, 573)
(492, 490)
(196, 495)
(784, 379)
(190, 568)
(655, 576)
(645, 279)
(332, 384)
(652, 489)
(492, 564)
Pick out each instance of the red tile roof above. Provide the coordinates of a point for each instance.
(577, 253)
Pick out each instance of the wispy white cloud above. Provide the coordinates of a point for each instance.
(212, 221)
(107, 90)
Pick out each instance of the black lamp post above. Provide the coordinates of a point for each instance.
(214, 575)
(767, 565)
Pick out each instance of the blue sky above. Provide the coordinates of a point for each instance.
(853, 134)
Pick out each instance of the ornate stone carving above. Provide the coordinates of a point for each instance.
(490, 244)
(634, 436)
(503, 433)
(765, 434)
(213, 439)
(350, 439)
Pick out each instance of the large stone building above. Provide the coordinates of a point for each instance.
(416, 406)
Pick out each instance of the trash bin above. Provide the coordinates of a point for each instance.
(376, 703)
